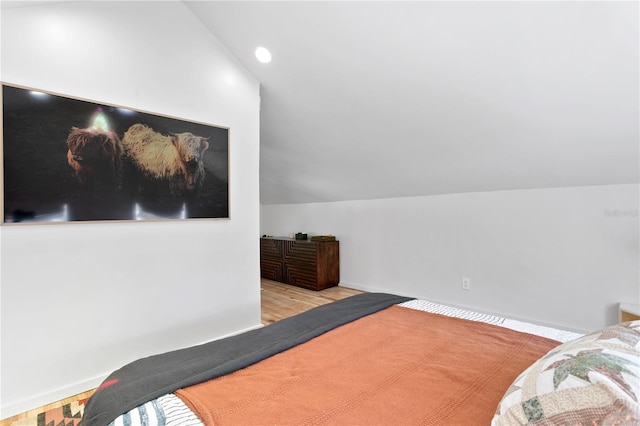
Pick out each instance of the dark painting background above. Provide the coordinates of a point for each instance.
(39, 185)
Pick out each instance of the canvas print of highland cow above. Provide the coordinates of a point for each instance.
(71, 160)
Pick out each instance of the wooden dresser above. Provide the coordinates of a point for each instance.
(309, 264)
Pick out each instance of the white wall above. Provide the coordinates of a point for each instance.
(562, 257)
(80, 300)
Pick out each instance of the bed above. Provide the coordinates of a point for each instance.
(378, 358)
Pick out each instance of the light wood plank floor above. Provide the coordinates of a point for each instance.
(282, 300)
(278, 301)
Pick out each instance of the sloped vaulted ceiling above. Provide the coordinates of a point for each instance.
(386, 99)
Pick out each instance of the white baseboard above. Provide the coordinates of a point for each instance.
(255, 327)
(469, 308)
(12, 408)
(370, 289)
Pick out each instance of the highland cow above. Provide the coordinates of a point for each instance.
(174, 160)
(95, 156)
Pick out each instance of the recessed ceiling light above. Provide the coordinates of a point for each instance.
(263, 55)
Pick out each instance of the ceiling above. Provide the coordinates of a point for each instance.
(370, 99)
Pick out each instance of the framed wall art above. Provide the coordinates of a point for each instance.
(72, 160)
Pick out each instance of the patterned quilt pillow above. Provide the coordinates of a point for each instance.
(594, 379)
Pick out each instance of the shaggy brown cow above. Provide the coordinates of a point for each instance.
(95, 156)
(174, 160)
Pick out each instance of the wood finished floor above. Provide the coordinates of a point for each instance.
(278, 301)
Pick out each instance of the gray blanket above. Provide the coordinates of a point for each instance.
(149, 378)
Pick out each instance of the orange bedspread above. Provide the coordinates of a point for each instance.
(398, 366)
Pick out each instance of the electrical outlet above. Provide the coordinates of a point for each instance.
(466, 283)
